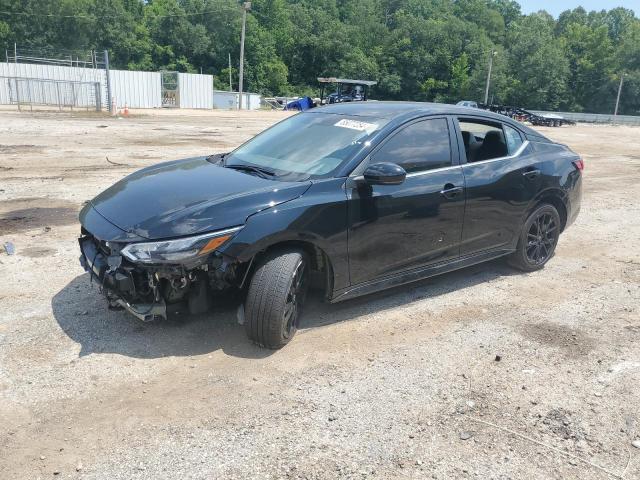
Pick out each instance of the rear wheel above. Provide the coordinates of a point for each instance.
(275, 298)
(538, 239)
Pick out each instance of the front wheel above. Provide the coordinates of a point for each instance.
(538, 240)
(275, 298)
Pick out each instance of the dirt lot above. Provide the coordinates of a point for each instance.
(405, 384)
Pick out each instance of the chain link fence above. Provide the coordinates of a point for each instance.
(63, 94)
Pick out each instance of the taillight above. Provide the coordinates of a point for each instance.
(579, 164)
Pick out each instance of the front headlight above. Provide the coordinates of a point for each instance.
(170, 251)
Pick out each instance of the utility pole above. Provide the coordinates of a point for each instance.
(230, 87)
(246, 6)
(110, 100)
(486, 91)
(615, 112)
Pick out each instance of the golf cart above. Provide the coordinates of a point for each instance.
(347, 90)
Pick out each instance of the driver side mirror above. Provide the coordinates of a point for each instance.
(384, 173)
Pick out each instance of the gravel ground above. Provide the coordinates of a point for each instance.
(481, 373)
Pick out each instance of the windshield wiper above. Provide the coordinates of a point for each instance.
(261, 171)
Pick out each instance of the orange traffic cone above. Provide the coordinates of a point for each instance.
(126, 110)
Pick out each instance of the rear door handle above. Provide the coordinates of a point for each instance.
(531, 174)
(450, 191)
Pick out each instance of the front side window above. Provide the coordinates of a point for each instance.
(420, 146)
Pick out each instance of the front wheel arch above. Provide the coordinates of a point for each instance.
(319, 261)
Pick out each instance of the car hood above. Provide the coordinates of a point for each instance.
(187, 197)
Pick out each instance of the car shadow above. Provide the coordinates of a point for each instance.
(81, 311)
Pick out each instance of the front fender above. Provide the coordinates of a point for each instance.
(318, 218)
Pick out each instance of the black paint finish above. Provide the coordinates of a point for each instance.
(498, 194)
(187, 197)
(373, 235)
(384, 173)
(394, 228)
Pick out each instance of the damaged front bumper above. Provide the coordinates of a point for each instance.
(147, 291)
(116, 282)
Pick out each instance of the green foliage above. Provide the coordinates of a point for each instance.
(432, 50)
(460, 80)
(5, 32)
(542, 71)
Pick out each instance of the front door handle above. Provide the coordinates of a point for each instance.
(531, 174)
(451, 192)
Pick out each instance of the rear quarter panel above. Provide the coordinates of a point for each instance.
(559, 177)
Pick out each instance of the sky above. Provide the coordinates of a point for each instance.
(556, 7)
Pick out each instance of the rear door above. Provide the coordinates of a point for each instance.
(394, 228)
(502, 176)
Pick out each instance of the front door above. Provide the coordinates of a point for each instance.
(393, 228)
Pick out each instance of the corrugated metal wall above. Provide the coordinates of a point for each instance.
(195, 90)
(136, 89)
(225, 100)
(229, 100)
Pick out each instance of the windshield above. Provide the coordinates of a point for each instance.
(307, 145)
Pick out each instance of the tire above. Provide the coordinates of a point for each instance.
(538, 239)
(275, 298)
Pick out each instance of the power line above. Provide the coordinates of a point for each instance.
(93, 17)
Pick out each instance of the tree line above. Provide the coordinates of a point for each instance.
(424, 50)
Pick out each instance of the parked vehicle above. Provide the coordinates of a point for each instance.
(351, 198)
(347, 90)
(547, 119)
(522, 115)
(467, 103)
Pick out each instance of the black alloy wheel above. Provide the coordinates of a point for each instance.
(541, 238)
(538, 239)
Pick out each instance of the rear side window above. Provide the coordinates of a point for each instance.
(513, 139)
(420, 146)
(483, 140)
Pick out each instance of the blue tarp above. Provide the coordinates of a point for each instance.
(302, 104)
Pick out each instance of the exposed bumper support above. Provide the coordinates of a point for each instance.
(144, 312)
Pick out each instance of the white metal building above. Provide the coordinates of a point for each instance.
(229, 100)
(78, 86)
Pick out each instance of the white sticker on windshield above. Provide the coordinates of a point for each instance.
(356, 125)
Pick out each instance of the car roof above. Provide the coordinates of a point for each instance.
(408, 110)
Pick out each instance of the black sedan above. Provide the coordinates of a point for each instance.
(351, 198)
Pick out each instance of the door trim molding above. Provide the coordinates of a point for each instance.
(416, 274)
(435, 170)
(517, 153)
